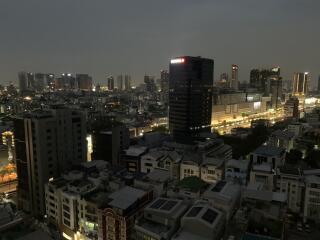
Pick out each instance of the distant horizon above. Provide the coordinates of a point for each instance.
(140, 37)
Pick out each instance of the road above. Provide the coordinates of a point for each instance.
(8, 187)
(245, 122)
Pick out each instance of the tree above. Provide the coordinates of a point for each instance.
(313, 159)
(294, 156)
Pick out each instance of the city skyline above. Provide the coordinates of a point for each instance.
(104, 39)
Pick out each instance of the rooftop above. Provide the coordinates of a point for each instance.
(241, 164)
(125, 197)
(136, 150)
(269, 151)
(290, 170)
(264, 167)
(283, 134)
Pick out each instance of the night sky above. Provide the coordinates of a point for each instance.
(104, 37)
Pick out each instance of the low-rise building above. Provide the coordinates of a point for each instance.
(156, 181)
(202, 222)
(282, 139)
(161, 219)
(263, 174)
(290, 181)
(224, 196)
(131, 158)
(312, 198)
(237, 171)
(117, 220)
(268, 154)
(150, 160)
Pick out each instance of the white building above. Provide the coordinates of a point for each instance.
(290, 181)
(312, 198)
(201, 222)
(224, 196)
(282, 139)
(237, 171)
(150, 160)
(161, 219)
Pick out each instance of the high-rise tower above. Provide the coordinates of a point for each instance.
(190, 97)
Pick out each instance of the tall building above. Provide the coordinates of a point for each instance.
(275, 89)
(291, 108)
(259, 78)
(110, 83)
(108, 143)
(127, 82)
(150, 83)
(66, 82)
(120, 84)
(84, 82)
(224, 81)
(300, 84)
(26, 80)
(164, 80)
(35, 81)
(190, 97)
(47, 143)
(234, 84)
(319, 84)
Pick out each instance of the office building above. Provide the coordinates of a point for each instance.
(275, 90)
(110, 83)
(47, 143)
(35, 81)
(234, 84)
(84, 82)
(26, 81)
(291, 108)
(150, 83)
(224, 81)
(66, 82)
(164, 81)
(190, 97)
(120, 84)
(127, 82)
(300, 84)
(259, 78)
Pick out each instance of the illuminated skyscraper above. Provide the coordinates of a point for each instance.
(234, 84)
(190, 97)
(300, 84)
